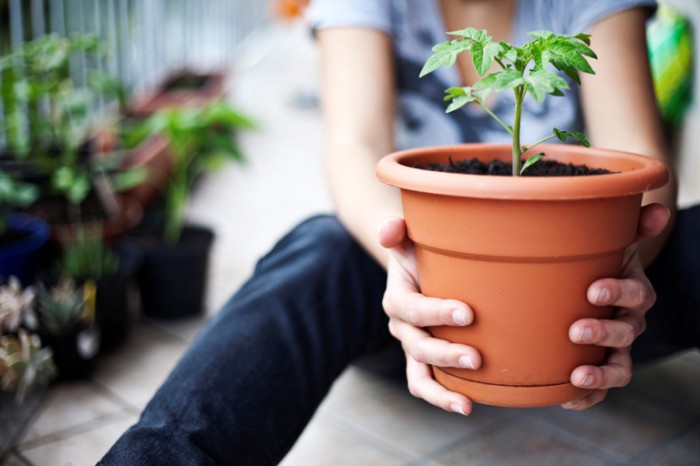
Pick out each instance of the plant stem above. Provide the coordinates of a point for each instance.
(525, 149)
(517, 151)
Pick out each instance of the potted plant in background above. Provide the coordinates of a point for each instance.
(172, 278)
(49, 134)
(112, 269)
(521, 250)
(185, 88)
(26, 367)
(66, 323)
(21, 236)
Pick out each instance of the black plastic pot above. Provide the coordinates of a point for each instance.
(173, 279)
(113, 304)
(74, 350)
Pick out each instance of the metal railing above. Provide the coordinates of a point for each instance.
(147, 39)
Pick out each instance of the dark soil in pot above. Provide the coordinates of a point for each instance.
(497, 167)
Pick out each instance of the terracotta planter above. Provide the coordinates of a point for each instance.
(155, 156)
(183, 89)
(113, 227)
(522, 252)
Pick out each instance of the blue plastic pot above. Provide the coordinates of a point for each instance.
(19, 257)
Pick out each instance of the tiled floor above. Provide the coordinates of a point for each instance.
(366, 420)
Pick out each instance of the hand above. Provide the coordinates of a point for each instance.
(632, 295)
(408, 311)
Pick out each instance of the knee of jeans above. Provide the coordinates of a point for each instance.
(318, 240)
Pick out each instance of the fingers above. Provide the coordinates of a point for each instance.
(652, 220)
(392, 232)
(617, 372)
(423, 348)
(422, 385)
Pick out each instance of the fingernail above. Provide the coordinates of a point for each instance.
(460, 317)
(457, 409)
(603, 295)
(585, 335)
(588, 380)
(466, 362)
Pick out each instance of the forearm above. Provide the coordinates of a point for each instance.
(362, 202)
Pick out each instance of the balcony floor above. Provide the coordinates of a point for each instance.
(366, 420)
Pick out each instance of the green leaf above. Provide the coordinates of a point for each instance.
(541, 82)
(506, 79)
(563, 136)
(460, 96)
(484, 55)
(444, 54)
(476, 35)
(530, 162)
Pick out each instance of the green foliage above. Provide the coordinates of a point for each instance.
(87, 256)
(201, 140)
(49, 115)
(523, 70)
(63, 306)
(14, 193)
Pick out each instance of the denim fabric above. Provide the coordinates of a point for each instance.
(673, 323)
(253, 378)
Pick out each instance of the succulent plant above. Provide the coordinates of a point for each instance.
(65, 305)
(24, 364)
(16, 306)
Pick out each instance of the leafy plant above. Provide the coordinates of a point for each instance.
(50, 115)
(65, 305)
(201, 140)
(87, 256)
(24, 364)
(14, 193)
(524, 70)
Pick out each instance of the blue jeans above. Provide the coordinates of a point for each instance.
(253, 378)
(251, 381)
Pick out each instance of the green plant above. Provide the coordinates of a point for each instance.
(50, 114)
(65, 305)
(201, 140)
(14, 193)
(24, 364)
(87, 256)
(524, 70)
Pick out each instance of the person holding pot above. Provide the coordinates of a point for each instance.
(254, 377)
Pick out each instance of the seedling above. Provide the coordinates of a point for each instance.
(523, 70)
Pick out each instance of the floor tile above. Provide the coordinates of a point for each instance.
(519, 444)
(68, 405)
(134, 373)
(399, 419)
(325, 443)
(672, 382)
(623, 426)
(80, 448)
(14, 460)
(681, 451)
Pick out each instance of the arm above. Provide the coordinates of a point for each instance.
(620, 111)
(619, 105)
(358, 106)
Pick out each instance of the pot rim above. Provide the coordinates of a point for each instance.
(635, 173)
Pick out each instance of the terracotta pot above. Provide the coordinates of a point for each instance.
(182, 89)
(155, 156)
(522, 253)
(113, 227)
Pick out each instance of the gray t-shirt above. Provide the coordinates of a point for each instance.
(417, 25)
